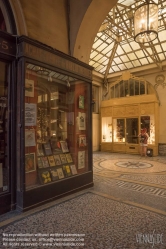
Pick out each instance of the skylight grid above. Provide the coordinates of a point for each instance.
(129, 54)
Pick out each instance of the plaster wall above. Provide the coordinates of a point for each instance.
(161, 91)
(47, 22)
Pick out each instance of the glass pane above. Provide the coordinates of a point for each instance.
(126, 85)
(136, 87)
(112, 92)
(142, 88)
(119, 130)
(56, 126)
(121, 85)
(107, 129)
(117, 91)
(132, 87)
(4, 167)
(132, 130)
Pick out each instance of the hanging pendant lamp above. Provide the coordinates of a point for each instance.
(146, 22)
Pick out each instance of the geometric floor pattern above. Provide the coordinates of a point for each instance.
(126, 209)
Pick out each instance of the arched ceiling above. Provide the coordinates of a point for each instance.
(114, 49)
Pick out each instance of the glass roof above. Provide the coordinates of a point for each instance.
(114, 48)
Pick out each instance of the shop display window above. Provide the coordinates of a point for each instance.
(4, 122)
(106, 129)
(149, 123)
(56, 126)
(119, 130)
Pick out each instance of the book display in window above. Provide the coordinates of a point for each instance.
(69, 158)
(45, 177)
(60, 173)
(47, 149)
(55, 146)
(64, 146)
(66, 170)
(54, 175)
(39, 163)
(63, 158)
(40, 150)
(51, 161)
(45, 162)
(57, 160)
(81, 159)
(73, 169)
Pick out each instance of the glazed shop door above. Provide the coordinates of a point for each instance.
(6, 198)
(132, 130)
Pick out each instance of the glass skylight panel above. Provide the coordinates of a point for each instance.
(97, 43)
(132, 56)
(158, 48)
(122, 66)
(108, 48)
(93, 54)
(136, 63)
(124, 58)
(126, 48)
(140, 54)
(161, 56)
(129, 65)
(102, 70)
(119, 51)
(134, 45)
(105, 62)
(111, 70)
(115, 68)
(100, 67)
(150, 60)
(163, 45)
(162, 35)
(103, 58)
(102, 47)
(117, 60)
(98, 57)
(144, 61)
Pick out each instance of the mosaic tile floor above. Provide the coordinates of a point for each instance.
(126, 209)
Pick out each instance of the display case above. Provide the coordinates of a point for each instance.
(56, 126)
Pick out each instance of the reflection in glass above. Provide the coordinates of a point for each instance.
(132, 130)
(119, 130)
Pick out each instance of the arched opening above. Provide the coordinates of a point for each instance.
(7, 20)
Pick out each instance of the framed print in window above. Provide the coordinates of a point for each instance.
(82, 121)
(29, 88)
(30, 164)
(30, 138)
(81, 159)
(30, 114)
(81, 102)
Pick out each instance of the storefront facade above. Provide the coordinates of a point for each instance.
(133, 105)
